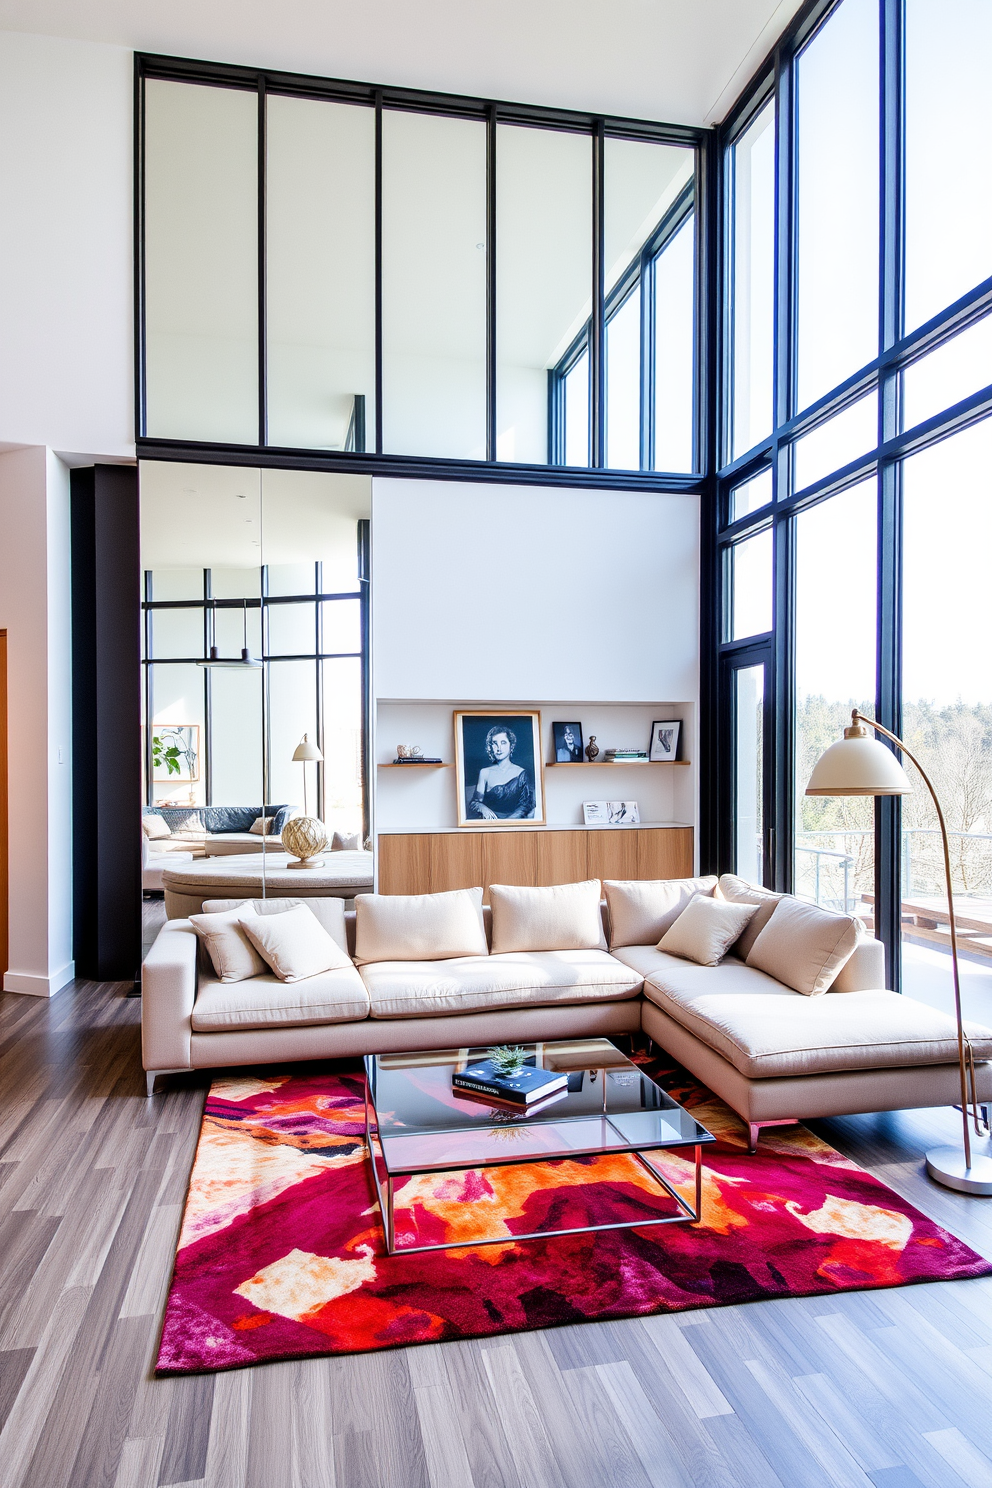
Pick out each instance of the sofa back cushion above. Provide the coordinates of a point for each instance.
(240, 818)
(154, 826)
(330, 912)
(705, 929)
(419, 927)
(641, 910)
(739, 891)
(294, 944)
(232, 955)
(803, 946)
(561, 917)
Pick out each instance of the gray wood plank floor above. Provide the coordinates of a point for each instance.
(867, 1390)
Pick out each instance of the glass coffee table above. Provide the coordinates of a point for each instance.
(416, 1124)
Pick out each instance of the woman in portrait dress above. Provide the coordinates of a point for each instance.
(504, 791)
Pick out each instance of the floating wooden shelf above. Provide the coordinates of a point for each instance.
(593, 764)
(419, 765)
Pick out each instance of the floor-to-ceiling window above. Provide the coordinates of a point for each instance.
(855, 463)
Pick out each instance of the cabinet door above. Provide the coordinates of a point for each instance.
(561, 857)
(664, 853)
(509, 858)
(405, 863)
(456, 861)
(612, 854)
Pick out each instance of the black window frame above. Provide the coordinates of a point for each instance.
(896, 351)
(374, 461)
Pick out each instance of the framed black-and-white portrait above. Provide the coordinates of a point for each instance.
(567, 739)
(665, 740)
(499, 768)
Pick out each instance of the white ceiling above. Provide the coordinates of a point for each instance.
(680, 61)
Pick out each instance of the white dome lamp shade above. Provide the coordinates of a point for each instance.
(304, 752)
(859, 765)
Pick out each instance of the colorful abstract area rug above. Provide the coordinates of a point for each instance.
(281, 1253)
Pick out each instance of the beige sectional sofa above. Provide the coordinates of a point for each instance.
(771, 1053)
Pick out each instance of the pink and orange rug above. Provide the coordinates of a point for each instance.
(281, 1253)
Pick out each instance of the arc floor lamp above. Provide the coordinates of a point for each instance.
(859, 765)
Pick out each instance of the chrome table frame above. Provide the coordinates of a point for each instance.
(687, 1214)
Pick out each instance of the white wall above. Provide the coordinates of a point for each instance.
(582, 603)
(34, 610)
(66, 190)
(493, 591)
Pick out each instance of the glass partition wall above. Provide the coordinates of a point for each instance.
(265, 571)
(855, 469)
(366, 273)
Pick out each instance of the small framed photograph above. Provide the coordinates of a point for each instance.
(567, 743)
(665, 740)
(610, 813)
(499, 765)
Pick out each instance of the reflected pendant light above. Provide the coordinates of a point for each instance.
(245, 660)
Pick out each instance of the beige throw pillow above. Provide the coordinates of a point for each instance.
(739, 891)
(154, 827)
(232, 954)
(328, 910)
(419, 927)
(262, 826)
(704, 930)
(345, 842)
(562, 917)
(641, 910)
(803, 946)
(294, 944)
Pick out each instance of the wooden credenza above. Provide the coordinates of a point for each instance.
(431, 862)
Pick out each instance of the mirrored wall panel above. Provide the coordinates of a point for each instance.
(433, 285)
(320, 273)
(543, 289)
(255, 600)
(200, 262)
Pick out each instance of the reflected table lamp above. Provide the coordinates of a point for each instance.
(859, 765)
(304, 752)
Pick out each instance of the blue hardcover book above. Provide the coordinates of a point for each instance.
(528, 1085)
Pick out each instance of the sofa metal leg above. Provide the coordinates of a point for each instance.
(754, 1130)
(150, 1083)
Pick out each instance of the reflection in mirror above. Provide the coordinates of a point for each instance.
(433, 285)
(543, 285)
(320, 273)
(274, 564)
(201, 274)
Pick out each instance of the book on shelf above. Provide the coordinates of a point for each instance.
(421, 759)
(521, 1089)
(627, 754)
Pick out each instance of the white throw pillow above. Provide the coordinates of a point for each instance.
(328, 909)
(232, 954)
(704, 930)
(804, 946)
(739, 891)
(262, 826)
(345, 842)
(294, 944)
(154, 827)
(562, 917)
(419, 927)
(641, 910)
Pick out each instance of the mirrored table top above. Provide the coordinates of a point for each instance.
(609, 1105)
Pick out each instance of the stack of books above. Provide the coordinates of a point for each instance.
(626, 756)
(419, 759)
(521, 1090)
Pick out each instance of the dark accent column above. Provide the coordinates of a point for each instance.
(365, 587)
(106, 727)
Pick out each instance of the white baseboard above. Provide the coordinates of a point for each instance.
(39, 986)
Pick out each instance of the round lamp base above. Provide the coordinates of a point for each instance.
(946, 1165)
(307, 863)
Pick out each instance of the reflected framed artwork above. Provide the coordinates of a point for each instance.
(498, 767)
(176, 752)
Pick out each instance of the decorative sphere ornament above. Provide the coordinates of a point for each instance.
(304, 837)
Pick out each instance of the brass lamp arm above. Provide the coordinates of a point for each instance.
(858, 720)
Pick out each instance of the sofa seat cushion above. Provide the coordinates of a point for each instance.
(766, 1030)
(465, 984)
(266, 1002)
